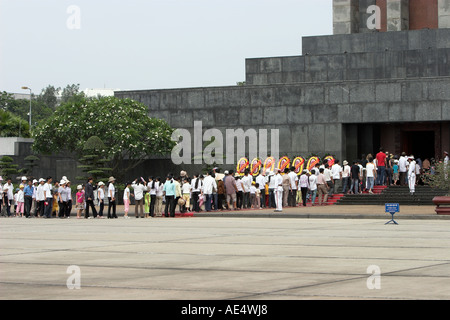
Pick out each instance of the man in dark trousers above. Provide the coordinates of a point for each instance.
(89, 197)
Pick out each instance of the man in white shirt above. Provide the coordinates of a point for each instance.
(336, 173)
(293, 177)
(209, 184)
(261, 181)
(403, 168)
(278, 191)
(48, 198)
(313, 186)
(9, 196)
(328, 179)
(111, 198)
(412, 175)
(247, 183)
(345, 177)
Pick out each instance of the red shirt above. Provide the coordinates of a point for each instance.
(381, 159)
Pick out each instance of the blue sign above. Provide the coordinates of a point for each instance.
(392, 207)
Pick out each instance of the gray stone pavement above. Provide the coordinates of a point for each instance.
(225, 258)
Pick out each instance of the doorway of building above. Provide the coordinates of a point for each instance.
(421, 144)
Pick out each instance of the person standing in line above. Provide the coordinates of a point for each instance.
(412, 175)
(209, 184)
(61, 198)
(246, 184)
(69, 199)
(48, 198)
(2, 203)
(8, 189)
(303, 183)
(293, 177)
(186, 190)
(159, 197)
(126, 200)
(371, 173)
(322, 187)
(253, 195)
(261, 181)
(328, 178)
(40, 199)
(345, 177)
(28, 196)
(271, 182)
(101, 198)
(34, 205)
(240, 191)
(139, 188)
(312, 180)
(169, 193)
(89, 198)
(147, 200)
(196, 186)
(79, 198)
(355, 175)
(278, 191)
(231, 190)
(258, 196)
(336, 173)
(286, 182)
(20, 202)
(112, 198)
(395, 174)
(381, 167)
(402, 168)
(153, 186)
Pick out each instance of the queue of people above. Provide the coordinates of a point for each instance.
(214, 191)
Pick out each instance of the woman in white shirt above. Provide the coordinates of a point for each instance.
(159, 186)
(101, 198)
(313, 186)
(126, 200)
(345, 177)
(112, 198)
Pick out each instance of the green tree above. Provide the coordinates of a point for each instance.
(92, 162)
(21, 107)
(129, 134)
(12, 126)
(441, 177)
(49, 97)
(7, 167)
(71, 93)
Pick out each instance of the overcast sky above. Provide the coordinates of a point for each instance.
(148, 44)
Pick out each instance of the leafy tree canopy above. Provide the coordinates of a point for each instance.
(123, 125)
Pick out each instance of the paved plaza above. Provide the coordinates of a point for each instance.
(224, 258)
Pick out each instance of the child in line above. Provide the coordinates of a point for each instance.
(80, 201)
(20, 201)
(126, 200)
(258, 196)
(253, 195)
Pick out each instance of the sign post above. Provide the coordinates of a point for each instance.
(392, 208)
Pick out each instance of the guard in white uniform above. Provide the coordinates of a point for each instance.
(278, 191)
(412, 175)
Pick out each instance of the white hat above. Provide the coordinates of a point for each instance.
(101, 183)
(345, 162)
(35, 181)
(79, 187)
(24, 178)
(62, 182)
(271, 173)
(111, 179)
(226, 172)
(41, 180)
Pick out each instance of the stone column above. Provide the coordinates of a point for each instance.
(397, 15)
(345, 16)
(444, 13)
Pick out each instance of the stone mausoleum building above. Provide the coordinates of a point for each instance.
(382, 79)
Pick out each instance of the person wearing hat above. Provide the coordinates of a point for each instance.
(271, 183)
(101, 198)
(79, 201)
(411, 175)
(345, 177)
(20, 200)
(112, 198)
(278, 191)
(40, 199)
(61, 196)
(403, 168)
(34, 205)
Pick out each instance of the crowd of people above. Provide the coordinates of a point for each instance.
(212, 191)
